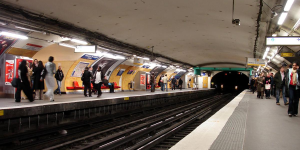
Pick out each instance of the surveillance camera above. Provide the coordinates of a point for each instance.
(236, 22)
(274, 14)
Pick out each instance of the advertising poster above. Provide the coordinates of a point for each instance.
(179, 75)
(142, 79)
(9, 71)
(5, 43)
(105, 63)
(120, 72)
(78, 70)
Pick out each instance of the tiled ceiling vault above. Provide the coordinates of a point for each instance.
(193, 31)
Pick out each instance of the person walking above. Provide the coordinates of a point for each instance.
(59, 76)
(165, 81)
(39, 74)
(291, 85)
(180, 82)
(24, 84)
(50, 81)
(252, 84)
(279, 81)
(86, 79)
(98, 78)
(34, 65)
(173, 83)
(272, 84)
(152, 82)
(260, 86)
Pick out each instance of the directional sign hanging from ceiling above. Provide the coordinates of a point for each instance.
(283, 41)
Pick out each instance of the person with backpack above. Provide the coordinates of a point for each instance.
(86, 79)
(39, 74)
(59, 76)
(50, 81)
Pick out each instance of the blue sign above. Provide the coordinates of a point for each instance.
(90, 57)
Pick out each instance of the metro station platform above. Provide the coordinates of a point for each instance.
(246, 123)
(10, 109)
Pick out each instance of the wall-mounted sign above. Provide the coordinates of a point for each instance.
(32, 47)
(281, 41)
(9, 71)
(85, 49)
(90, 57)
(138, 61)
(287, 54)
(255, 62)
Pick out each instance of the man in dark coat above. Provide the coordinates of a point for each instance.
(180, 83)
(279, 80)
(152, 82)
(173, 83)
(86, 78)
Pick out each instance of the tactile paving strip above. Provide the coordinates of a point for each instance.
(233, 134)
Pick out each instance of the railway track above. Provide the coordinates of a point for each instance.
(147, 132)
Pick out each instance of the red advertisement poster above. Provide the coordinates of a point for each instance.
(9, 71)
(142, 79)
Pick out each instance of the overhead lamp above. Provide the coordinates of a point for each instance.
(14, 35)
(288, 5)
(282, 18)
(2, 23)
(266, 52)
(66, 45)
(146, 58)
(134, 55)
(79, 41)
(274, 34)
(28, 29)
(164, 66)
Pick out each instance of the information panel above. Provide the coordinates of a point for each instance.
(281, 41)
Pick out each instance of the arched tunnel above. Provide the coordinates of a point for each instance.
(228, 82)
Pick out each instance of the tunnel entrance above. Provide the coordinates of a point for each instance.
(230, 81)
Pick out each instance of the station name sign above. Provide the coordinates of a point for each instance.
(85, 49)
(255, 62)
(283, 41)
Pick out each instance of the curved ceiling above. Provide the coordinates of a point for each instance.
(194, 31)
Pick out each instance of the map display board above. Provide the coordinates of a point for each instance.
(78, 70)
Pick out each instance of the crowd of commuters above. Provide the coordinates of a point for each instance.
(174, 83)
(285, 81)
(32, 80)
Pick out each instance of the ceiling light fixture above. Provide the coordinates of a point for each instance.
(14, 35)
(28, 29)
(66, 45)
(266, 52)
(234, 21)
(79, 41)
(282, 18)
(146, 58)
(288, 5)
(274, 34)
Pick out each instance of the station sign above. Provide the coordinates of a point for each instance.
(287, 54)
(85, 49)
(255, 62)
(283, 41)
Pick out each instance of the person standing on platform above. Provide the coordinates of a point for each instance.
(39, 75)
(98, 78)
(291, 85)
(24, 84)
(59, 76)
(173, 81)
(252, 85)
(34, 65)
(272, 84)
(50, 81)
(165, 81)
(279, 81)
(180, 82)
(268, 86)
(152, 82)
(260, 86)
(86, 78)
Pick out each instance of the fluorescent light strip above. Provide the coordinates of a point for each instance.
(79, 41)
(145, 58)
(266, 52)
(288, 5)
(282, 18)
(66, 45)
(14, 35)
(28, 29)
